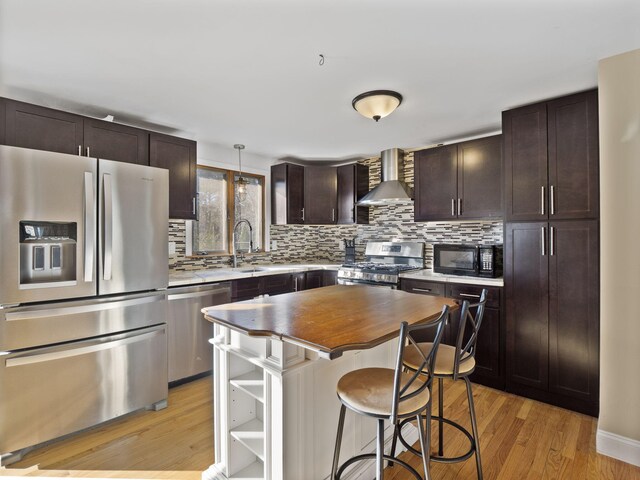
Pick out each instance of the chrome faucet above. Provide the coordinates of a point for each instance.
(234, 258)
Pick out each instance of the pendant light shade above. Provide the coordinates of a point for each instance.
(241, 182)
(377, 104)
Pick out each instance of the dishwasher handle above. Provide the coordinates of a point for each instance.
(199, 291)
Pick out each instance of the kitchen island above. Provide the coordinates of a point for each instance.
(277, 361)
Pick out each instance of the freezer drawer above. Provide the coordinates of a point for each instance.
(49, 392)
(190, 352)
(46, 324)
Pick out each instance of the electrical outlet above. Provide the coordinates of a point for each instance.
(172, 248)
(274, 245)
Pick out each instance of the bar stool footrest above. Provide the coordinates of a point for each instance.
(366, 456)
(437, 458)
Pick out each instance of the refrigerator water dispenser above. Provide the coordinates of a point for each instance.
(47, 253)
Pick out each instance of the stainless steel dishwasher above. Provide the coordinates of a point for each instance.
(188, 333)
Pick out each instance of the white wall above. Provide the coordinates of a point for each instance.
(619, 97)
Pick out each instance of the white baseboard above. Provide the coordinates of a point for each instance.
(619, 447)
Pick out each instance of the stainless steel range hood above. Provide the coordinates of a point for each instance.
(391, 190)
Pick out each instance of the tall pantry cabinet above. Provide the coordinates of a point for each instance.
(552, 251)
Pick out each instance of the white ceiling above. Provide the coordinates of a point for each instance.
(236, 71)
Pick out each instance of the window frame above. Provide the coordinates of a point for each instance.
(231, 209)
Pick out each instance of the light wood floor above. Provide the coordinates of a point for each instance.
(520, 439)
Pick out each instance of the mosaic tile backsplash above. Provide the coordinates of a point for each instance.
(323, 243)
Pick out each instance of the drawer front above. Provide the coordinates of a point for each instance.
(245, 288)
(422, 287)
(472, 293)
(37, 325)
(53, 391)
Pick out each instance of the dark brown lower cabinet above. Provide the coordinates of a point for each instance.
(248, 288)
(552, 307)
(526, 278)
(314, 279)
(489, 347)
(329, 277)
(574, 319)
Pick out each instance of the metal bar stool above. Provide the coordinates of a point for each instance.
(393, 395)
(451, 362)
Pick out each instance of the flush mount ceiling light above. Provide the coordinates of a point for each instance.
(241, 182)
(377, 104)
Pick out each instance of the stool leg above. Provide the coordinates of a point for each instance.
(424, 444)
(394, 442)
(474, 427)
(336, 452)
(380, 451)
(440, 415)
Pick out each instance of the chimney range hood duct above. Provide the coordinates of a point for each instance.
(391, 190)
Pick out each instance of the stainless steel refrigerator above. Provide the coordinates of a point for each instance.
(83, 269)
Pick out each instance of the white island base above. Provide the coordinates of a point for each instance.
(276, 410)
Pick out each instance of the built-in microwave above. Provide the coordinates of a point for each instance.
(472, 260)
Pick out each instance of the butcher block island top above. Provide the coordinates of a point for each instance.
(330, 320)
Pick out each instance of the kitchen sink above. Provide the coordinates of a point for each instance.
(250, 269)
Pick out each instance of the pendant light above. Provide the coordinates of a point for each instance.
(377, 104)
(241, 182)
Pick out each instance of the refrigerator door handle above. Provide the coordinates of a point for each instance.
(81, 348)
(89, 227)
(108, 227)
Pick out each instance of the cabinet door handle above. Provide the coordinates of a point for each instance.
(88, 151)
(542, 200)
(552, 248)
(193, 205)
(543, 240)
(469, 295)
(459, 206)
(453, 207)
(552, 201)
(79, 150)
(426, 290)
(303, 214)
(295, 284)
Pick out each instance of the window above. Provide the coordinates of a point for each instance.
(221, 205)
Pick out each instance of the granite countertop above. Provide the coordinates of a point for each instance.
(431, 276)
(195, 277)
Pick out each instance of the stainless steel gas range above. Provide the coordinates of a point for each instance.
(384, 261)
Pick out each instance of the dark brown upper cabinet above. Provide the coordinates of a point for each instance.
(320, 195)
(459, 181)
(113, 141)
(353, 184)
(551, 159)
(287, 194)
(178, 155)
(40, 128)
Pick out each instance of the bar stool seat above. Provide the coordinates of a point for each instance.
(444, 360)
(370, 391)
